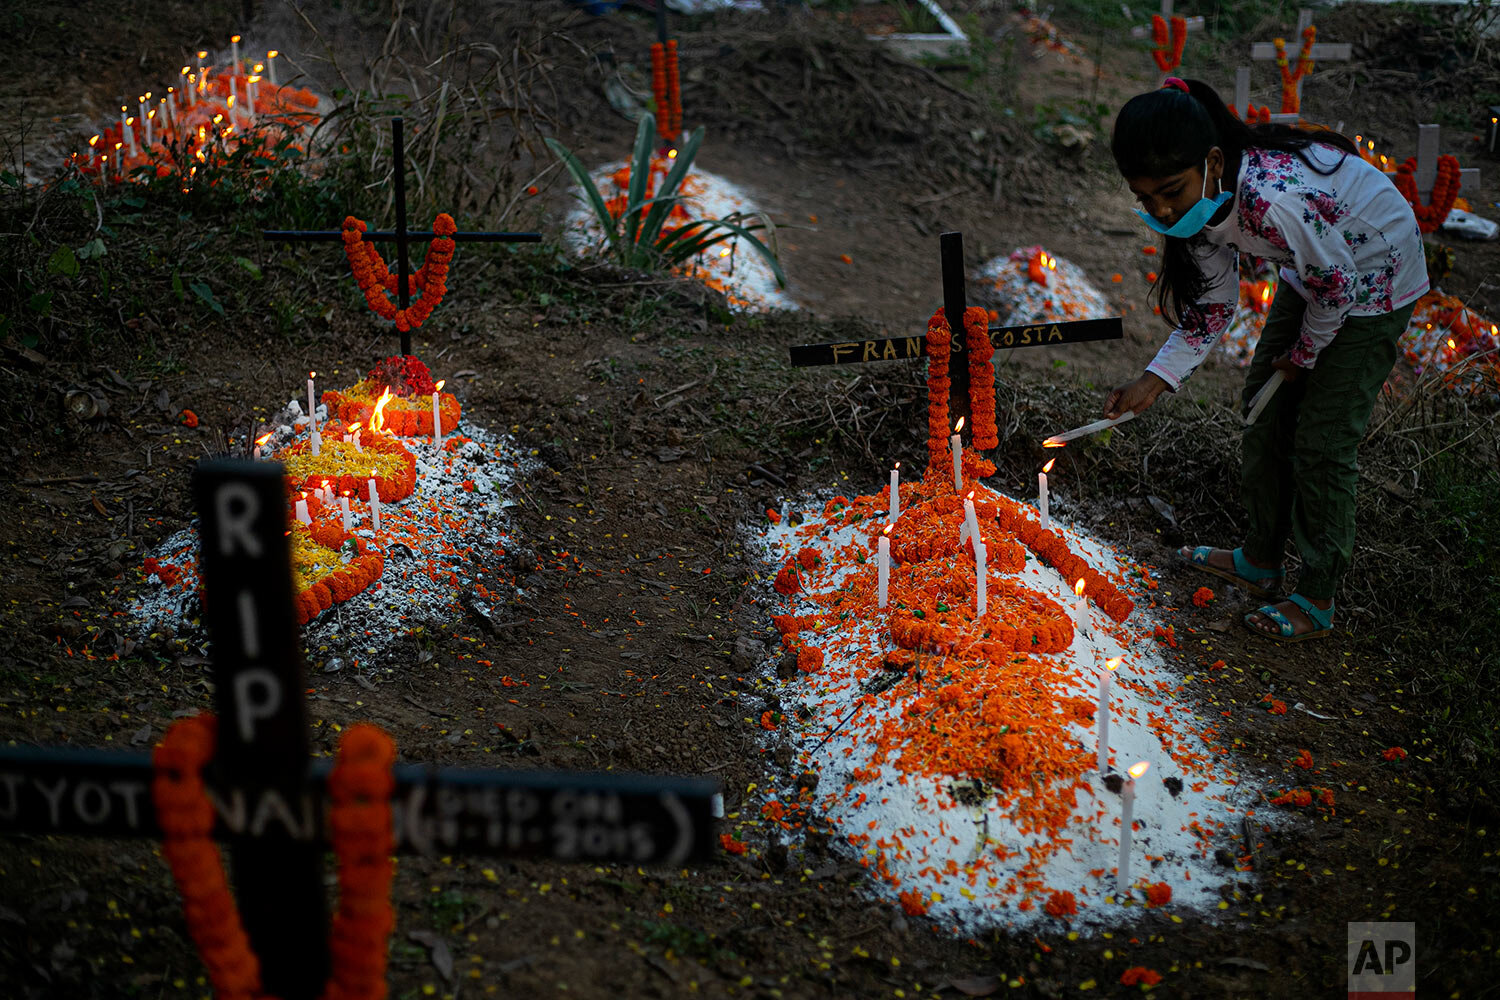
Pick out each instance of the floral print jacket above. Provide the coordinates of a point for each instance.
(1346, 240)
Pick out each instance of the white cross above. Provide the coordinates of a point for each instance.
(1144, 30)
(1321, 52)
(1426, 172)
(1242, 99)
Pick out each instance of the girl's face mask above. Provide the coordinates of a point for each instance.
(1196, 217)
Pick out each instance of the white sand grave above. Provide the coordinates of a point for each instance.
(737, 270)
(1006, 286)
(441, 533)
(938, 836)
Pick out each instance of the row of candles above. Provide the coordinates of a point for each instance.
(193, 99)
(970, 530)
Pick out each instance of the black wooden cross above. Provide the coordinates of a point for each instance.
(271, 805)
(401, 235)
(1003, 337)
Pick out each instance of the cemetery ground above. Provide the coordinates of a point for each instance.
(661, 427)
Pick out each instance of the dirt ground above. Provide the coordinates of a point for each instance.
(639, 511)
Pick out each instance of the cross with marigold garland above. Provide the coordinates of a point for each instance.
(247, 777)
(401, 236)
(1316, 53)
(964, 398)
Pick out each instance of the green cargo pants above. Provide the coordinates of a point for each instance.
(1300, 465)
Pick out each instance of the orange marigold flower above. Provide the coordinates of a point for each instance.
(846, 258)
(1140, 974)
(190, 418)
(913, 903)
(731, 845)
(809, 557)
(1151, 276)
(1158, 894)
(1217, 665)
(1061, 904)
(773, 516)
(531, 189)
(787, 581)
(1304, 760)
(770, 720)
(1148, 251)
(1117, 278)
(1274, 705)
(1202, 596)
(1394, 753)
(809, 659)
(1296, 797)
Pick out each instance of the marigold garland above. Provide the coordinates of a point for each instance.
(360, 827)
(1168, 53)
(375, 280)
(1444, 191)
(667, 89)
(939, 343)
(981, 378)
(1290, 102)
(348, 471)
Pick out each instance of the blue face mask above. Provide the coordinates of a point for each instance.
(1195, 218)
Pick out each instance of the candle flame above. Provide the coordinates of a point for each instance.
(94, 140)
(958, 426)
(970, 496)
(272, 54)
(1079, 587)
(671, 154)
(183, 72)
(377, 419)
(439, 386)
(354, 428)
(1053, 443)
(1451, 345)
(234, 38)
(325, 484)
(1048, 467)
(1112, 664)
(1136, 770)
(898, 465)
(888, 528)
(263, 438)
(312, 374)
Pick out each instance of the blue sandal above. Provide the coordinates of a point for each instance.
(1287, 632)
(1258, 582)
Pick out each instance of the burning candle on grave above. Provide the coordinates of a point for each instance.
(970, 529)
(120, 160)
(312, 413)
(883, 564)
(1494, 128)
(437, 420)
(981, 567)
(895, 493)
(140, 103)
(252, 92)
(302, 514)
(348, 514)
(95, 160)
(1101, 714)
(1041, 493)
(185, 88)
(260, 443)
(956, 442)
(356, 430)
(234, 48)
(326, 494)
(374, 503)
(1127, 821)
(126, 132)
(271, 65)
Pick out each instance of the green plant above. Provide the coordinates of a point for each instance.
(638, 235)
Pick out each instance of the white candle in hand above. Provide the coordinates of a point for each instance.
(1101, 714)
(437, 420)
(1127, 821)
(895, 493)
(1041, 493)
(374, 504)
(883, 565)
(956, 441)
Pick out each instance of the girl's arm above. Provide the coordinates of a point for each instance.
(1325, 275)
(1205, 321)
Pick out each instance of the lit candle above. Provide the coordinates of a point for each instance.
(302, 514)
(1041, 493)
(981, 560)
(1101, 714)
(956, 441)
(437, 420)
(252, 92)
(126, 132)
(186, 93)
(150, 130)
(141, 117)
(1081, 606)
(271, 65)
(120, 160)
(260, 441)
(356, 439)
(883, 564)
(895, 493)
(202, 55)
(970, 527)
(348, 514)
(1127, 820)
(234, 47)
(312, 413)
(166, 113)
(374, 504)
(93, 162)
(327, 494)
(1494, 127)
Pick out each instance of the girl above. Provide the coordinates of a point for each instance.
(1352, 268)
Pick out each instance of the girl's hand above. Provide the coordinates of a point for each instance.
(1136, 396)
(1289, 370)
